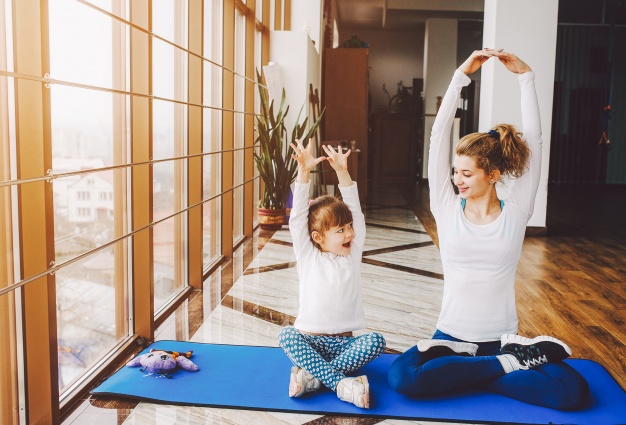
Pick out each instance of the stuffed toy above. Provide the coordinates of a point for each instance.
(163, 362)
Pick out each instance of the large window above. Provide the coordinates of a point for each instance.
(89, 128)
(170, 82)
(212, 131)
(8, 338)
(239, 121)
(99, 232)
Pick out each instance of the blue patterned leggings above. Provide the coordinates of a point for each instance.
(329, 358)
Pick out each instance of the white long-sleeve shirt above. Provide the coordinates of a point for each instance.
(480, 260)
(330, 285)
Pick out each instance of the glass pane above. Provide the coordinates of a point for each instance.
(211, 239)
(115, 7)
(9, 337)
(169, 20)
(169, 63)
(170, 258)
(170, 242)
(239, 122)
(88, 128)
(92, 299)
(81, 44)
(89, 211)
(8, 333)
(212, 131)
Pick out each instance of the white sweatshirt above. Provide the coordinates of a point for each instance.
(330, 285)
(479, 261)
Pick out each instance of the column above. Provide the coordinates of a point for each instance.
(440, 43)
(529, 30)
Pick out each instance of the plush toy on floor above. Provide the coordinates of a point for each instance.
(163, 362)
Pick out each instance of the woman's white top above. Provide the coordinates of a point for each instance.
(330, 285)
(480, 260)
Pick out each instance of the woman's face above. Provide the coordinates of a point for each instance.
(471, 180)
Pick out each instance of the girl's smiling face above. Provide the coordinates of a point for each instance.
(336, 240)
(469, 179)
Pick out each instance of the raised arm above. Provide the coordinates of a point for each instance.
(299, 218)
(441, 189)
(524, 191)
(349, 192)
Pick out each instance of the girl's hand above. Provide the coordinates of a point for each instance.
(304, 157)
(513, 63)
(338, 160)
(476, 60)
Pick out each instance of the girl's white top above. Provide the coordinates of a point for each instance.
(330, 285)
(479, 261)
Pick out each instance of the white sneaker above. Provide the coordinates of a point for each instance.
(444, 347)
(301, 382)
(355, 391)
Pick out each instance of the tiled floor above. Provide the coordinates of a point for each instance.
(254, 295)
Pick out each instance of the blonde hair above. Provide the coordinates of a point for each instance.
(325, 213)
(499, 149)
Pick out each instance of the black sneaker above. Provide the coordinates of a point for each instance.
(533, 352)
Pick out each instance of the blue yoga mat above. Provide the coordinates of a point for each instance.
(247, 377)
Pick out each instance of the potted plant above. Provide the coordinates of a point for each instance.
(272, 155)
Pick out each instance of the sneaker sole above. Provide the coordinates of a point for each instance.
(516, 339)
(459, 348)
(365, 398)
(295, 389)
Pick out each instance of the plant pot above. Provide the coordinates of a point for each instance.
(272, 219)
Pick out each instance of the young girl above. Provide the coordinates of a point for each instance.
(328, 237)
(480, 237)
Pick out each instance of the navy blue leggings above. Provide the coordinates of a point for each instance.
(554, 385)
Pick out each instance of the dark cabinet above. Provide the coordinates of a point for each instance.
(397, 147)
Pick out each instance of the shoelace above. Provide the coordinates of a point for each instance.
(530, 355)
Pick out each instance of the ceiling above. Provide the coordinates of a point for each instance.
(403, 14)
(412, 14)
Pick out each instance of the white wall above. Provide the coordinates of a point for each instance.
(306, 15)
(294, 53)
(440, 46)
(531, 35)
(394, 56)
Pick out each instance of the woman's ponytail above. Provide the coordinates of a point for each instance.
(515, 151)
(499, 149)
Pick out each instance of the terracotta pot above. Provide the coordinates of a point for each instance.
(271, 219)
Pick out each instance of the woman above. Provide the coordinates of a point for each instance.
(481, 236)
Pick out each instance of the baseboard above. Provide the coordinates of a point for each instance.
(536, 232)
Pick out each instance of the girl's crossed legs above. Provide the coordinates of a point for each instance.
(556, 385)
(329, 358)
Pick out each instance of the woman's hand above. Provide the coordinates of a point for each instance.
(338, 160)
(304, 157)
(513, 63)
(476, 60)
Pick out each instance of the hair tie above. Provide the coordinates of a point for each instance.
(494, 134)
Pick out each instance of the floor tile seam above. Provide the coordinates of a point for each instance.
(399, 267)
(401, 229)
(270, 268)
(282, 319)
(398, 248)
(293, 264)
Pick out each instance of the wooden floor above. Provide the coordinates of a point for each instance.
(572, 283)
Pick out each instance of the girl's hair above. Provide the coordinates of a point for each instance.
(325, 213)
(499, 149)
